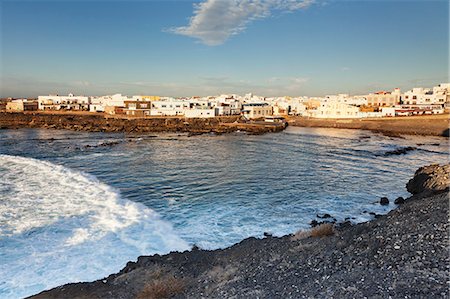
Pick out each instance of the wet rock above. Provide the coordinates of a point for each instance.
(384, 201)
(399, 200)
(314, 223)
(400, 151)
(430, 179)
(324, 216)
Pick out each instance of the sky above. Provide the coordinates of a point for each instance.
(210, 47)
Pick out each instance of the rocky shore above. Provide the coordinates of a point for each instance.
(401, 254)
(103, 123)
(435, 125)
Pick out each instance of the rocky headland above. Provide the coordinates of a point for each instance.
(103, 123)
(402, 254)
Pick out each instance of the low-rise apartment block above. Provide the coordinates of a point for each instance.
(57, 102)
(256, 110)
(21, 105)
(384, 98)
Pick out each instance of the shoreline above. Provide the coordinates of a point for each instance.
(105, 123)
(427, 125)
(401, 254)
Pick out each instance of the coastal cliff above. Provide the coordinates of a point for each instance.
(103, 123)
(401, 254)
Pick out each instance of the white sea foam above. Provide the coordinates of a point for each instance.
(58, 225)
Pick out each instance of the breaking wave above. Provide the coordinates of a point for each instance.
(54, 218)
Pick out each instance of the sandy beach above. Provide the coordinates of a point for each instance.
(436, 125)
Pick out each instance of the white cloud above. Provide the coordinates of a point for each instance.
(299, 80)
(215, 21)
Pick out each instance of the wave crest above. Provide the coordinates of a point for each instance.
(67, 226)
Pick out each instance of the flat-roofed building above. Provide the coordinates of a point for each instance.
(256, 110)
(201, 113)
(335, 110)
(439, 95)
(169, 108)
(137, 108)
(21, 105)
(69, 102)
(384, 98)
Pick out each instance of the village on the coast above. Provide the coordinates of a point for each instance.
(417, 101)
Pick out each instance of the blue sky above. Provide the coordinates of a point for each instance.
(183, 48)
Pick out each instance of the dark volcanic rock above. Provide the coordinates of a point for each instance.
(324, 216)
(399, 200)
(314, 223)
(104, 123)
(384, 201)
(400, 151)
(430, 179)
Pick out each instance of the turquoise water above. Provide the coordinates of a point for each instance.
(76, 206)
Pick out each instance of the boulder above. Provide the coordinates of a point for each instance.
(430, 179)
(400, 151)
(324, 216)
(399, 200)
(384, 201)
(314, 223)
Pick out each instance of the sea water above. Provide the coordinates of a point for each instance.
(76, 206)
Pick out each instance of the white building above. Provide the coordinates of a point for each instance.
(256, 110)
(335, 110)
(200, 113)
(96, 108)
(384, 98)
(69, 102)
(408, 110)
(439, 95)
(169, 108)
(347, 99)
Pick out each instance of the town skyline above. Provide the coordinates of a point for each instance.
(183, 48)
(234, 93)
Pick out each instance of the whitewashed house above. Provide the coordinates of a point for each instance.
(200, 113)
(335, 110)
(439, 95)
(108, 103)
(169, 107)
(256, 110)
(57, 102)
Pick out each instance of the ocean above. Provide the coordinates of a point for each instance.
(76, 206)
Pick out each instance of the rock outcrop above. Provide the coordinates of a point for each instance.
(104, 123)
(430, 179)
